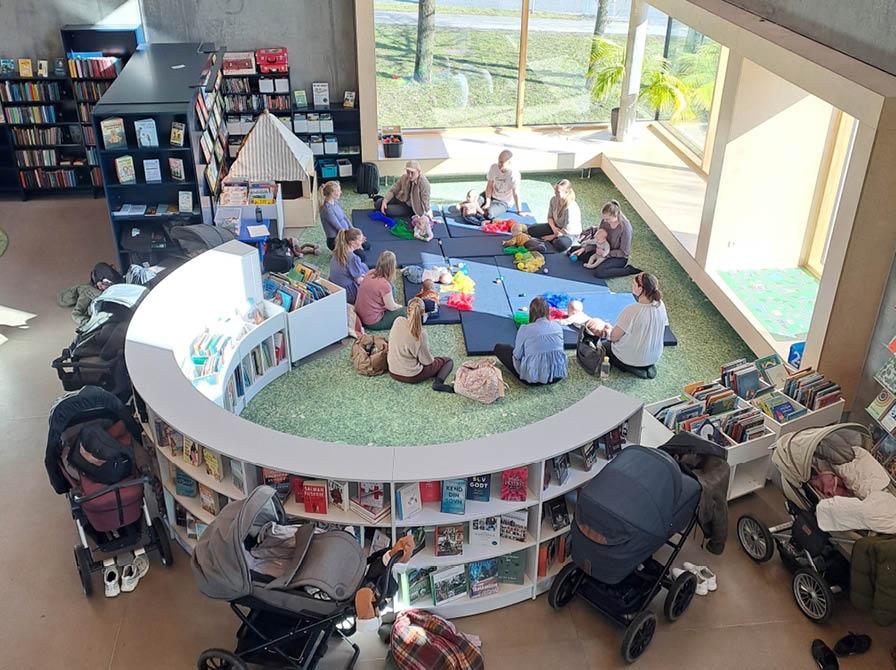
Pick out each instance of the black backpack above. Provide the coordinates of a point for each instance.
(589, 351)
(368, 179)
(99, 456)
(278, 256)
(103, 271)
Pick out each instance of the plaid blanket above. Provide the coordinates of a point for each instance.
(424, 641)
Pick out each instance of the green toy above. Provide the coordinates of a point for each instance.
(512, 251)
(402, 230)
(521, 317)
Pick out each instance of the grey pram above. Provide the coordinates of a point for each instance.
(287, 620)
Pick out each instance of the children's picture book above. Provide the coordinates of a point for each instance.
(7, 67)
(448, 584)
(215, 464)
(407, 500)
(348, 100)
(192, 451)
(43, 68)
(479, 488)
(145, 130)
(176, 166)
(113, 133)
(177, 133)
(184, 484)
(514, 484)
(512, 568)
(338, 494)
(124, 168)
(209, 499)
(279, 481)
(185, 202)
(300, 98)
(561, 468)
(152, 171)
(415, 585)
(430, 491)
(558, 513)
(515, 525)
(315, 496)
(454, 496)
(485, 532)
(25, 67)
(449, 539)
(772, 369)
(482, 578)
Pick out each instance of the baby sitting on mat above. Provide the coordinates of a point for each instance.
(520, 238)
(470, 210)
(422, 226)
(575, 316)
(593, 247)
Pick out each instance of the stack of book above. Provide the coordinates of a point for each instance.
(779, 407)
(716, 399)
(295, 289)
(744, 379)
(370, 501)
(811, 389)
(743, 424)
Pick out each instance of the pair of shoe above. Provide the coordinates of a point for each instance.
(130, 575)
(706, 579)
(850, 645)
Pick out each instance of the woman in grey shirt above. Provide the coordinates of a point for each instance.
(619, 236)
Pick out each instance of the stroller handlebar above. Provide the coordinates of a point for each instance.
(382, 587)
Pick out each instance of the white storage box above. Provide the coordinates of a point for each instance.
(313, 123)
(318, 324)
(281, 85)
(331, 144)
(326, 123)
(345, 167)
(316, 142)
(265, 85)
(299, 123)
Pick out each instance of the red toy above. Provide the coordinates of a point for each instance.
(557, 314)
(272, 61)
(462, 302)
(497, 226)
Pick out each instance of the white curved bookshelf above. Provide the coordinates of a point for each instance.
(215, 283)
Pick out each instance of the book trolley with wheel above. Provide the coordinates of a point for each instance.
(206, 417)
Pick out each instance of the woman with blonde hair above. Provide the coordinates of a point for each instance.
(410, 361)
(564, 219)
(375, 304)
(346, 267)
(408, 196)
(333, 217)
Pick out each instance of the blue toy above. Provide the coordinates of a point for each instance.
(573, 258)
(379, 216)
(558, 300)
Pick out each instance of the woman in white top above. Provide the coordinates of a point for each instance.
(502, 188)
(564, 219)
(635, 343)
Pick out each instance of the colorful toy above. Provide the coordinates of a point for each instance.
(460, 283)
(497, 226)
(379, 216)
(531, 261)
(521, 317)
(513, 251)
(558, 300)
(402, 230)
(573, 258)
(555, 314)
(462, 302)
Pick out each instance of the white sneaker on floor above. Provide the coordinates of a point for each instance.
(703, 573)
(141, 562)
(110, 578)
(702, 588)
(129, 578)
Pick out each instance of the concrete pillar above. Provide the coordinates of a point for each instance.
(634, 61)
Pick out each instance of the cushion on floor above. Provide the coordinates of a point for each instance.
(443, 316)
(407, 252)
(483, 331)
(376, 230)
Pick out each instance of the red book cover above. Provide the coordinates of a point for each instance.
(430, 491)
(513, 484)
(315, 496)
(298, 488)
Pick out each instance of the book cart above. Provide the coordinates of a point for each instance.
(204, 417)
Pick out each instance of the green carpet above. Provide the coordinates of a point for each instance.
(325, 399)
(4, 242)
(782, 300)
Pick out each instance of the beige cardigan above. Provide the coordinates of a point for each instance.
(415, 194)
(407, 356)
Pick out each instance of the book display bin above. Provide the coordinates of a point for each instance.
(205, 415)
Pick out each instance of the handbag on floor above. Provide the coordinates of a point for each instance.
(370, 354)
(589, 351)
(480, 380)
(421, 640)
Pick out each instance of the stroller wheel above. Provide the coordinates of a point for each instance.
(755, 539)
(161, 537)
(813, 595)
(565, 585)
(680, 595)
(218, 659)
(638, 636)
(83, 561)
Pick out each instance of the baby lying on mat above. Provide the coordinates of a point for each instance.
(429, 296)
(575, 316)
(520, 238)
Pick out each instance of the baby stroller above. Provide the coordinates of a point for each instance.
(288, 620)
(96, 356)
(90, 459)
(819, 560)
(631, 508)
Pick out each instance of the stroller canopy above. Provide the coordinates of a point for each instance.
(107, 304)
(794, 454)
(629, 510)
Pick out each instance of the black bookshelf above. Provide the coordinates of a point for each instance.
(346, 131)
(278, 102)
(9, 173)
(159, 82)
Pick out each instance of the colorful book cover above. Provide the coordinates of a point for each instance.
(515, 525)
(314, 496)
(482, 578)
(512, 568)
(113, 133)
(215, 464)
(415, 585)
(407, 500)
(430, 491)
(209, 500)
(145, 130)
(448, 584)
(25, 67)
(479, 488)
(184, 484)
(881, 404)
(177, 134)
(485, 532)
(372, 495)
(772, 369)
(7, 66)
(886, 376)
(279, 481)
(454, 496)
(514, 484)
(124, 168)
(547, 555)
(176, 166)
(338, 492)
(191, 451)
(297, 486)
(449, 539)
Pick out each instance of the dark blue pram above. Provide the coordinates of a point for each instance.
(632, 508)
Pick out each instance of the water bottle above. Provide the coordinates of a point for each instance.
(605, 369)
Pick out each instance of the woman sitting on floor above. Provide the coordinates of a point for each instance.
(635, 343)
(564, 219)
(619, 235)
(346, 267)
(375, 305)
(408, 196)
(333, 218)
(409, 359)
(537, 357)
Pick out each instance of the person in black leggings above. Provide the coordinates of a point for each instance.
(619, 235)
(564, 219)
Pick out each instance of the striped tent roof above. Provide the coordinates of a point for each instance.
(270, 152)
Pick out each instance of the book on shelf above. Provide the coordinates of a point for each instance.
(485, 532)
(418, 533)
(238, 474)
(209, 499)
(449, 539)
(547, 555)
(7, 67)
(185, 202)
(297, 486)
(314, 496)
(191, 451)
(348, 99)
(176, 166)
(320, 93)
(448, 584)
(881, 404)
(514, 525)
(888, 419)
(113, 133)
(772, 369)
(195, 528)
(431, 491)
(779, 407)
(152, 171)
(811, 389)
(558, 513)
(884, 450)
(370, 501)
(743, 424)
(380, 540)
(184, 484)
(215, 464)
(586, 455)
(337, 492)
(514, 484)
(25, 67)
(560, 468)
(43, 68)
(415, 585)
(93, 65)
(512, 568)
(482, 578)
(178, 130)
(277, 480)
(886, 375)
(479, 488)
(454, 496)
(300, 98)
(564, 547)
(58, 67)
(124, 168)
(407, 500)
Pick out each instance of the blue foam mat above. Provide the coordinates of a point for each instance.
(480, 247)
(407, 252)
(377, 230)
(519, 284)
(489, 296)
(560, 268)
(445, 315)
(483, 331)
(457, 228)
